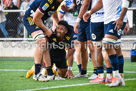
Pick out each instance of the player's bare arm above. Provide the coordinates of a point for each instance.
(119, 22)
(69, 73)
(38, 21)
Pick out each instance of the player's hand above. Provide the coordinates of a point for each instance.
(86, 16)
(119, 24)
(126, 29)
(48, 33)
(76, 27)
(69, 74)
(64, 8)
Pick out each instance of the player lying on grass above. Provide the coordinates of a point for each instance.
(56, 44)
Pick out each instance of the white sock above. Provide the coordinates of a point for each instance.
(43, 71)
(101, 75)
(109, 76)
(116, 73)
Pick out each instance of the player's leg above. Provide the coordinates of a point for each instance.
(92, 52)
(78, 54)
(121, 62)
(39, 37)
(111, 36)
(82, 38)
(38, 54)
(108, 69)
(97, 33)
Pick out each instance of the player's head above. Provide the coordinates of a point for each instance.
(63, 29)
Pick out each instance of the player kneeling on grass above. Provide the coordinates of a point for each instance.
(56, 44)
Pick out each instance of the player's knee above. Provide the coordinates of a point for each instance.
(41, 40)
(109, 43)
(97, 44)
(117, 45)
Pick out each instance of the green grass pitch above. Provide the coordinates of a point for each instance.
(15, 80)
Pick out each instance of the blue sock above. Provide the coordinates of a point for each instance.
(79, 67)
(114, 61)
(100, 70)
(49, 70)
(37, 68)
(121, 63)
(109, 70)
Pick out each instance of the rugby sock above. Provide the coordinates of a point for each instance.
(95, 71)
(79, 67)
(37, 68)
(114, 61)
(116, 74)
(121, 63)
(109, 70)
(49, 70)
(100, 71)
(109, 73)
(83, 71)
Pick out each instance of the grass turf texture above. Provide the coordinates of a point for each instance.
(15, 80)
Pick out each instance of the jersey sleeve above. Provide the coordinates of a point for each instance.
(60, 10)
(44, 5)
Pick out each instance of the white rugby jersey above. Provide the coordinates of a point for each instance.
(97, 16)
(112, 10)
(69, 17)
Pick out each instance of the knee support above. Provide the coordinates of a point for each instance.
(109, 40)
(39, 36)
(97, 43)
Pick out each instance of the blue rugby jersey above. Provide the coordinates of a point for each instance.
(47, 7)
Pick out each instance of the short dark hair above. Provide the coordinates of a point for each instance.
(69, 27)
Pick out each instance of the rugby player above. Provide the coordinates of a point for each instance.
(97, 34)
(114, 22)
(83, 36)
(33, 20)
(70, 15)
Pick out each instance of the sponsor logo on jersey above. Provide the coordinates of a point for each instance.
(99, 13)
(45, 6)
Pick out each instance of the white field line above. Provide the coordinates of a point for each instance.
(73, 71)
(72, 85)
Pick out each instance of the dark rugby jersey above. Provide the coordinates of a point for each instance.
(57, 47)
(47, 7)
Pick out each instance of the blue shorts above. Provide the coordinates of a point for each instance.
(109, 29)
(30, 25)
(84, 31)
(97, 31)
(74, 35)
